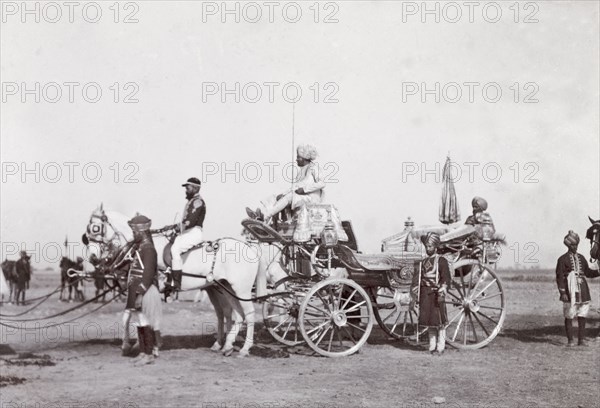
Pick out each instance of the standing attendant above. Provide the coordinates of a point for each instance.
(429, 288)
(23, 269)
(571, 271)
(143, 298)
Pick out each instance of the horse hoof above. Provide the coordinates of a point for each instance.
(216, 347)
(243, 354)
(228, 352)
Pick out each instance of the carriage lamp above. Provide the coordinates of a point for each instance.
(329, 236)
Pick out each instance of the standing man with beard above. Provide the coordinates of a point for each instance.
(429, 288)
(190, 227)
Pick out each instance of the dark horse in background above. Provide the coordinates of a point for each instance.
(72, 282)
(10, 274)
(593, 234)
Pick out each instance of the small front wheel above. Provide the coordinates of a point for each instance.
(336, 317)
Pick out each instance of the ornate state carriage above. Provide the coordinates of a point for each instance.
(331, 292)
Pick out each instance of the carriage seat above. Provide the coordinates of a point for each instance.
(369, 262)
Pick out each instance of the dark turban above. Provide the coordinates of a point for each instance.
(479, 202)
(140, 223)
(571, 239)
(431, 238)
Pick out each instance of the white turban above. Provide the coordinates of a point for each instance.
(307, 152)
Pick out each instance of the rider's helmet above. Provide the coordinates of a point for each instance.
(140, 223)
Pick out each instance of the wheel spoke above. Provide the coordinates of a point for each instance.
(470, 280)
(330, 341)
(487, 317)
(458, 313)
(348, 300)
(462, 315)
(356, 306)
(326, 313)
(490, 307)
(356, 327)
(481, 277)
(349, 334)
(455, 297)
(393, 329)
(483, 290)
(488, 297)
(385, 319)
(322, 335)
(281, 323)
(482, 325)
(473, 328)
(319, 327)
(465, 330)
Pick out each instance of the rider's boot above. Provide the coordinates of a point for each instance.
(177, 275)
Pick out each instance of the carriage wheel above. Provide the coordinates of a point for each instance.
(475, 305)
(394, 315)
(336, 317)
(280, 316)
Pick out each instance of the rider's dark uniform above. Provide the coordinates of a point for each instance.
(142, 274)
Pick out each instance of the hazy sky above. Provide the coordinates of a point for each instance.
(531, 151)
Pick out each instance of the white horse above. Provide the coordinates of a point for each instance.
(228, 274)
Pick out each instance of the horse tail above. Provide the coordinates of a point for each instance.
(152, 308)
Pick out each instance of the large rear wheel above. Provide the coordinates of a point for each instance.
(475, 305)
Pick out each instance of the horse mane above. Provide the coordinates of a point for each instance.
(119, 222)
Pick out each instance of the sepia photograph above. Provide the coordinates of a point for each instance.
(300, 204)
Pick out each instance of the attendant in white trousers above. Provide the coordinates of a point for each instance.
(429, 288)
(190, 227)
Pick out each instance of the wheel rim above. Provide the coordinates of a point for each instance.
(394, 315)
(336, 317)
(475, 305)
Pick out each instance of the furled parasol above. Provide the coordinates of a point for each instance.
(449, 212)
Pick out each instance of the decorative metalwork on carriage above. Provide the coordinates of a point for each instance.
(312, 220)
(401, 278)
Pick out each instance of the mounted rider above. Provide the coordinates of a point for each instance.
(190, 228)
(308, 187)
(143, 298)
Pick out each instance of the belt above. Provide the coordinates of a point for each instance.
(136, 273)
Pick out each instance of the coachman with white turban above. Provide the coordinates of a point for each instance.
(429, 288)
(308, 187)
(571, 271)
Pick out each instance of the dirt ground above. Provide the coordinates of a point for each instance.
(79, 364)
